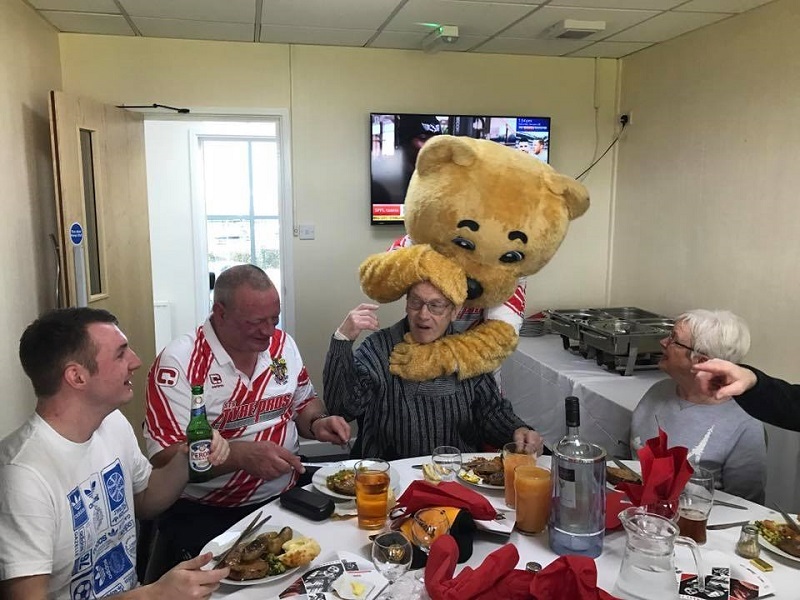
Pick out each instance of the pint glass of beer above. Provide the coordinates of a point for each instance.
(372, 490)
(696, 501)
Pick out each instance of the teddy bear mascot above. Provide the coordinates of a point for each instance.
(480, 217)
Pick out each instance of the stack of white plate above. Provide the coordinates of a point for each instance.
(533, 327)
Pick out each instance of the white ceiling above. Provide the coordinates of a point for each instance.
(489, 26)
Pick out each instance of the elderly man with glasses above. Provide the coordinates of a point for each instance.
(720, 436)
(399, 418)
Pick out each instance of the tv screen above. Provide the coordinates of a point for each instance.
(397, 138)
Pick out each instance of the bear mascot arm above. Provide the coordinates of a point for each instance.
(482, 216)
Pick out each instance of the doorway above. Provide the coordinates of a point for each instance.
(219, 195)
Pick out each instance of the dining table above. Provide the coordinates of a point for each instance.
(344, 535)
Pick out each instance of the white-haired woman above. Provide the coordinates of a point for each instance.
(720, 436)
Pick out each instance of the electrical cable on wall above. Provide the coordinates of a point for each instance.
(624, 121)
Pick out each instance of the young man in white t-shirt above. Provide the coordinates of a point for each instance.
(72, 477)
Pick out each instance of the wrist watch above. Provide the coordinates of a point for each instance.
(321, 415)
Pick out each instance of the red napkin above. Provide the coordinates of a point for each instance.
(567, 578)
(421, 494)
(665, 472)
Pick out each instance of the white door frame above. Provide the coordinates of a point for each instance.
(286, 208)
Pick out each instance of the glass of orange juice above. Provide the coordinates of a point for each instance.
(532, 495)
(515, 455)
(372, 492)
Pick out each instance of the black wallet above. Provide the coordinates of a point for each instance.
(310, 505)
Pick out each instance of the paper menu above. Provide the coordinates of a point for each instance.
(317, 583)
(730, 578)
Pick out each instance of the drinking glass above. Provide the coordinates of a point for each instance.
(372, 492)
(447, 462)
(695, 503)
(515, 455)
(391, 554)
(532, 485)
(427, 525)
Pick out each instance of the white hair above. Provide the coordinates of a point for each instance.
(717, 333)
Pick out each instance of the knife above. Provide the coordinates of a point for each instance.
(627, 469)
(729, 504)
(726, 525)
(789, 520)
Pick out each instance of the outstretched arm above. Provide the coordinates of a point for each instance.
(480, 350)
(386, 277)
(766, 398)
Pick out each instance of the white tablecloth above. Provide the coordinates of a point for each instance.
(540, 374)
(345, 535)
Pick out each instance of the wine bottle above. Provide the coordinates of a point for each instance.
(578, 504)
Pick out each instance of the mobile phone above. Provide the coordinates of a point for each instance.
(310, 505)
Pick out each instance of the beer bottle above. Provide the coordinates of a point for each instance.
(198, 437)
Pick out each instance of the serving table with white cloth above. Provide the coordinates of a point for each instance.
(345, 535)
(541, 373)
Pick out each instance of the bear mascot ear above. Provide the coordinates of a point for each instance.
(479, 216)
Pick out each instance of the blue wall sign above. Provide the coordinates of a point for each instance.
(76, 233)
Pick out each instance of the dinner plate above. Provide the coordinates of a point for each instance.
(226, 539)
(319, 479)
(774, 549)
(465, 458)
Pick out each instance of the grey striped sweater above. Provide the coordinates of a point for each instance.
(400, 418)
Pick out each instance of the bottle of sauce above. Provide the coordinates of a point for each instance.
(578, 499)
(198, 438)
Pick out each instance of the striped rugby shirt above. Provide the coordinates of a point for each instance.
(262, 408)
(511, 311)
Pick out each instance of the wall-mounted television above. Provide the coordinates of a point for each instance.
(397, 138)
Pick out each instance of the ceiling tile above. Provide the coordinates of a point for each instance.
(315, 36)
(610, 49)
(338, 14)
(509, 45)
(629, 4)
(666, 26)
(615, 20)
(226, 11)
(73, 22)
(194, 30)
(99, 6)
(730, 6)
(472, 18)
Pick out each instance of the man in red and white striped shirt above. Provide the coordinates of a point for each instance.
(258, 396)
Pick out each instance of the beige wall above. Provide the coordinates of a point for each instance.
(29, 69)
(329, 93)
(707, 211)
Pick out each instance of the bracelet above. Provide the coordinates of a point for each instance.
(321, 415)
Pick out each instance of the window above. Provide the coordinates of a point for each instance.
(241, 179)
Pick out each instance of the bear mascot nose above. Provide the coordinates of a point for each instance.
(474, 289)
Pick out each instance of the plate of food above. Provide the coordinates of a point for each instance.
(483, 471)
(779, 538)
(265, 558)
(339, 480)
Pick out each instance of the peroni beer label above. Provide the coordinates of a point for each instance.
(199, 452)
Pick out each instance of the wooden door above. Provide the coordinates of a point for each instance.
(99, 163)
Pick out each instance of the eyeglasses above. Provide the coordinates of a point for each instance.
(671, 340)
(435, 307)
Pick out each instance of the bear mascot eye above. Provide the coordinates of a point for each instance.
(464, 243)
(512, 256)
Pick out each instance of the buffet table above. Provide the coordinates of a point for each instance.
(345, 535)
(540, 374)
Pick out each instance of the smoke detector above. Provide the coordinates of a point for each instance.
(440, 38)
(573, 29)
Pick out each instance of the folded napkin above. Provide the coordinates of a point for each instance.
(665, 472)
(616, 502)
(421, 494)
(567, 578)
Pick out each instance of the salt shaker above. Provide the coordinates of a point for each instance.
(747, 546)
